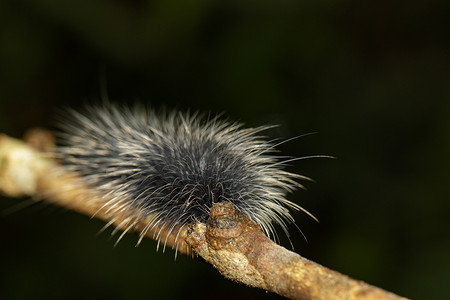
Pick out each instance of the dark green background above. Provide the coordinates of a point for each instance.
(372, 78)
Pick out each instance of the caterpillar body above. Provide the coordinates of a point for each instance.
(169, 169)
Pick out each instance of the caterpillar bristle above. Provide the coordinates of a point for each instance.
(168, 169)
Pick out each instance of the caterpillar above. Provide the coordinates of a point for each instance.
(169, 168)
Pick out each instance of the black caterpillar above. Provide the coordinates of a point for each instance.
(171, 168)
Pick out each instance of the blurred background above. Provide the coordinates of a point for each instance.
(372, 79)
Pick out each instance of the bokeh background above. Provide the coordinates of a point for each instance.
(371, 78)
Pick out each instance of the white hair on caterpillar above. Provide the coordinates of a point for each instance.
(170, 168)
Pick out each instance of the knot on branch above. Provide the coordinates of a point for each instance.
(225, 240)
(225, 221)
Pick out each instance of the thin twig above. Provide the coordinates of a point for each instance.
(231, 242)
(27, 172)
(237, 247)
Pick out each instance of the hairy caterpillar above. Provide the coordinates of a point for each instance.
(169, 169)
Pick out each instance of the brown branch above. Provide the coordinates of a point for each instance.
(231, 242)
(237, 247)
(27, 172)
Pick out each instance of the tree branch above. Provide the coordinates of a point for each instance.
(230, 241)
(238, 248)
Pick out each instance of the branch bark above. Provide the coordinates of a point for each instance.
(238, 248)
(230, 241)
